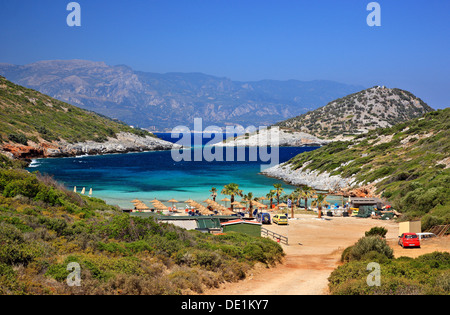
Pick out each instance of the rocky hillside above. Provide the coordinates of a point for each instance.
(408, 164)
(359, 112)
(35, 125)
(273, 137)
(163, 101)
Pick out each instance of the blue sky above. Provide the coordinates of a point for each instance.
(245, 39)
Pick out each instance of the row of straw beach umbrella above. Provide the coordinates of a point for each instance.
(158, 205)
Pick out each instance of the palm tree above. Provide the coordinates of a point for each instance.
(270, 196)
(231, 190)
(213, 193)
(250, 198)
(298, 192)
(319, 202)
(293, 196)
(278, 191)
(308, 192)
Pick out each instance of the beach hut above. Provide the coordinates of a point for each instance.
(242, 226)
(409, 227)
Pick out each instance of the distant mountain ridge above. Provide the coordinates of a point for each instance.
(360, 112)
(163, 101)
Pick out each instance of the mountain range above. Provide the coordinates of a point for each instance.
(163, 101)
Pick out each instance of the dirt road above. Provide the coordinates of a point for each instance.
(314, 251)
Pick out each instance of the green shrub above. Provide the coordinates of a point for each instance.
(58, 272)
(8, 281)
(10, 233)
(377, 231)
(18, 138)
(54, 224)
(366, 246)
(436, 260)
(443, 281)
(15, 252)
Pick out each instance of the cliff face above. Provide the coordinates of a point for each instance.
(123, 143)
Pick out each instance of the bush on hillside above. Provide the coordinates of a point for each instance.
(377, 231)
(370, 246)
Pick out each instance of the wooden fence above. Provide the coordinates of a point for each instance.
(440, 230)
(278, 237)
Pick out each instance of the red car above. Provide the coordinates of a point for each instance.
(409, 240)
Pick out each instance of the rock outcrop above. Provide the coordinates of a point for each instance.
(274, 137)
(312, 178)
(123, 143)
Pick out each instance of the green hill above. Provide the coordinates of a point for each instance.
(409, 164)
(27, 115)
(359, 112)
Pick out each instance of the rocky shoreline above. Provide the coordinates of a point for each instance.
(312, 178)
(274, 137)
(123, 143)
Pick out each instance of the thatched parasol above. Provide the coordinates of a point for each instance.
(237, 204)
(173, 201)
(141, 207)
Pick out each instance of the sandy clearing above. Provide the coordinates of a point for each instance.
(314, 251)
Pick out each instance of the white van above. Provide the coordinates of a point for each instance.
(425, 235)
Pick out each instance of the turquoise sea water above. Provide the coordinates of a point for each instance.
(120, 178)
